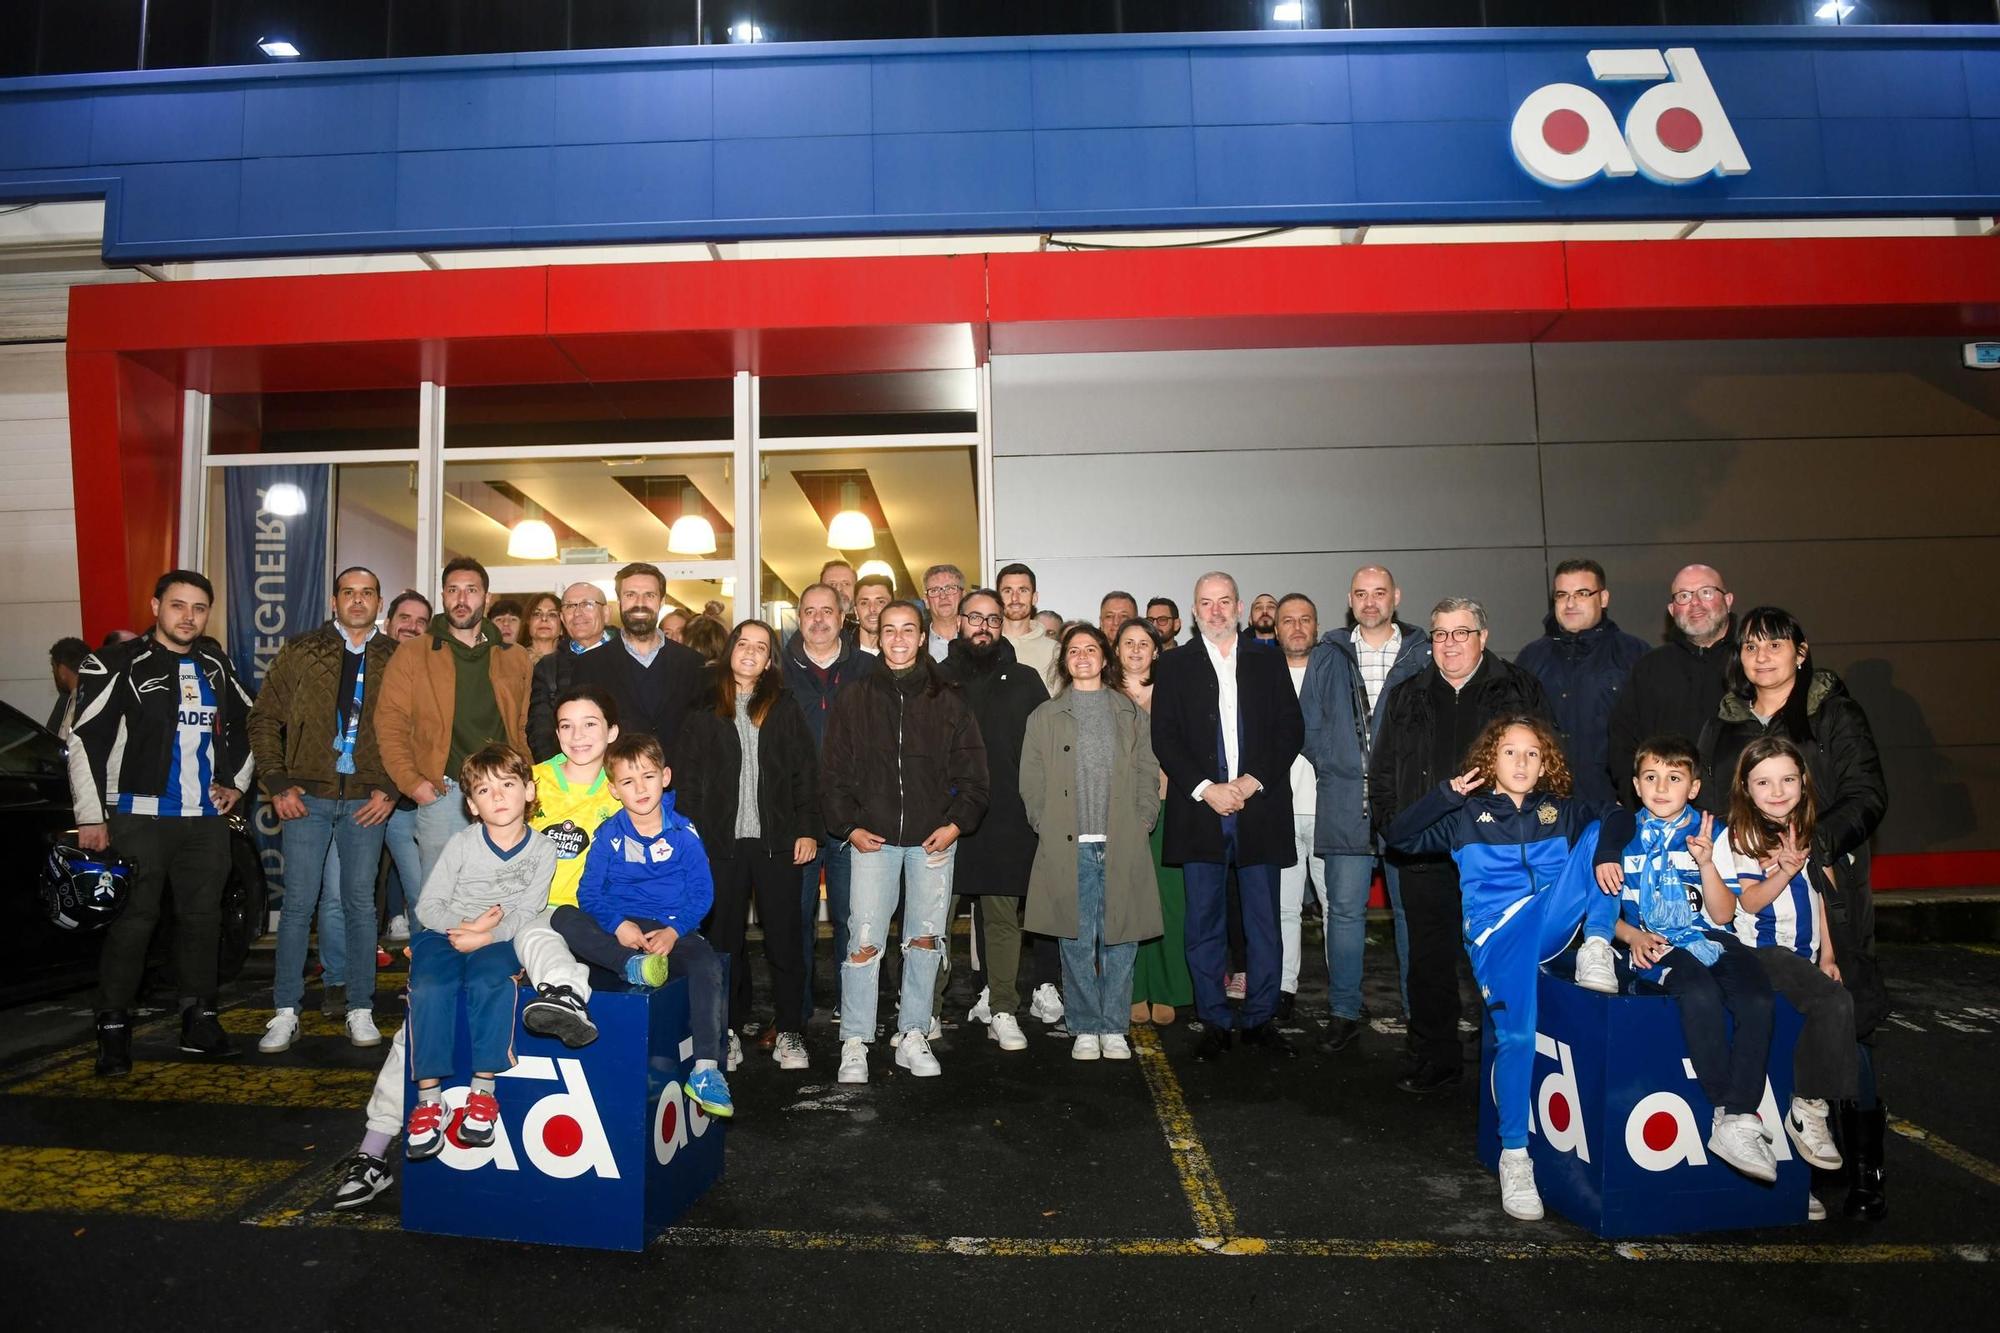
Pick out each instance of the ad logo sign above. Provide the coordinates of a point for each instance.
(1675, 134)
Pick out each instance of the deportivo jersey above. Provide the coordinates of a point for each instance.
(1788, 921)
(568, 817)
(191, 756)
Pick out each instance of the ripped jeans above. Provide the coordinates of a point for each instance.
(877, 880)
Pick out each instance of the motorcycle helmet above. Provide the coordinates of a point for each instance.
(84, 890)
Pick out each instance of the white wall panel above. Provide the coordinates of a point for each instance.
(38, 580)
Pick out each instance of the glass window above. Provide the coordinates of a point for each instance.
(907, 403)
(274, 423)
(539, 415)
(27, 751)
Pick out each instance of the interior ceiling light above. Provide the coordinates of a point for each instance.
(531, 539)
(691, 533)
(285, 499)
(875, 567)
(850, 529)
(277, 48)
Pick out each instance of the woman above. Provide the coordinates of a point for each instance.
(1092, 790)
(747, 777)
(545, 626)
(1160, 979)
(1774, 691)
(706, 636)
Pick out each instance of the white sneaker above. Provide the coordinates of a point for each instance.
(735, 1051)
(1115, 1046)
(361, 1029)
(1006, 1030)
(399, 928)
(790, 1052)
(1085, 1047)
(853, 1061)
(1806, 1127)
(1595, 968)
(1046, 1004)
(914, 1054)
(281, 1032)
(1518, 1194)
(1815, 1210)
(936, 1033)
(1739, 1141)
(983, 1011)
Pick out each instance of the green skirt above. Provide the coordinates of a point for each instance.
(1160, 974)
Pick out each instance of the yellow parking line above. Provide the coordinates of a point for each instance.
(219, 1083)
(75, 1180)
(1991, 949)
(1214, 1217)
(1946, 1149)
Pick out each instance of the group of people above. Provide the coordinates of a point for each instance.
(1139, 820)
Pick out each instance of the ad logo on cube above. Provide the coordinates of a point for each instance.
(562, 1134)
(1676, 132)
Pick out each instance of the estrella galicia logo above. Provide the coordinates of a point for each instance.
(1675, 134)
(571, 841)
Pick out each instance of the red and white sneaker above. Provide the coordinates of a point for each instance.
(1236, 985)
(425, 1135)
(481, 1119)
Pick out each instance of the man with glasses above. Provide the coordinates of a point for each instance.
(1165, 615)
(652, 678)
(1676, 687)
(1430, 721)
(944, 586)
(583, 630)
(1582, 661)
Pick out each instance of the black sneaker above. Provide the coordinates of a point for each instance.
(1287, 1003)
(1267, 1035)
(201, 1034)
(1428, 1077)
(1214, 1044)
(557, 1012)
(365, 1178)
(1340, 1034)
(114, 1043)
(333, 1002)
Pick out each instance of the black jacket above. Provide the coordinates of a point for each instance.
(707, 778)
(1187, 739)
(1401, 769)
(1674, 690)
(654, 699)
(1582, 676)
(815, 689)
(902, 758)
(554, 675)
(1001, 693)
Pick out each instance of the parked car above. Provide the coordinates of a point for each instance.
(36, 956)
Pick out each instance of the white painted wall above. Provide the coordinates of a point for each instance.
(38, 579)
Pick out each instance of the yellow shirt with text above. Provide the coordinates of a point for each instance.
(568, 816)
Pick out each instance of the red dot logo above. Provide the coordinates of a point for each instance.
(669, 1121)
(1558, 1113)
(562, 1135)
(1660, 1132)
(1679, 129)
(1565, 131)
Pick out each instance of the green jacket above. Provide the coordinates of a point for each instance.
(292, 723)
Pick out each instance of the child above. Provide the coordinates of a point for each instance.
(1525, 851)
(644, 891)
(490, 881)
(1761, 882)
(1676, 949)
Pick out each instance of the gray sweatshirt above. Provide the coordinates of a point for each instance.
(471, 877)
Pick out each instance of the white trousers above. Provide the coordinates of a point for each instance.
(1292, 897)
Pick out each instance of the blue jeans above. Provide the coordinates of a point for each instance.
(438, 975)
(434, 826)
(693, 957)
(1347, 882)
(308, 841)
(1097, 977)
(1208, 937)
(1392, 882)
(879, 879)
(332, 922)
(406, 880)
(837, 859)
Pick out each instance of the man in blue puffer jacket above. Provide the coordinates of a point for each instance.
(1583, 662)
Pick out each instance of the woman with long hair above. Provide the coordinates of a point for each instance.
(1091, 787)
(748, 778)
(1160, 980)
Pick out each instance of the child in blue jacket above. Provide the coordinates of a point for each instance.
(1525, 850)
(640, 903)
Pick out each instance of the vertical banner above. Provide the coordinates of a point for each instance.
(275, 524)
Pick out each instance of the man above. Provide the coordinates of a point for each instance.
(116, 637)
(819, 663)
(1051, 623)
(447, 694)
(944, 585)
(1583, 660)
(900, 717)
(652, 678)
(506, 617)
(1226, 727)
(1298, 631)
(1165, 613)
(65, 657)
(408, 616)
(1348, 674)
(1676, 687)
(871, 594)
(994, 861)
(313, 732)
(1264, 618)
(672, 625)
(1033, 646)
(158, 756)
(1114, 611)
(839, 576)
(1433, 718)
(583, 630)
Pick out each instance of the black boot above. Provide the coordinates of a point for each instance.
(114, 1042)
(1864, 1149)
(201, 1031)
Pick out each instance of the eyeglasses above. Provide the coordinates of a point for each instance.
(940, 589)
(991, 622)
(578, 606)
(1580, 595)
(1455, 635)
(1707, 593)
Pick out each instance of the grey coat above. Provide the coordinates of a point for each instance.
(1048, 791)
